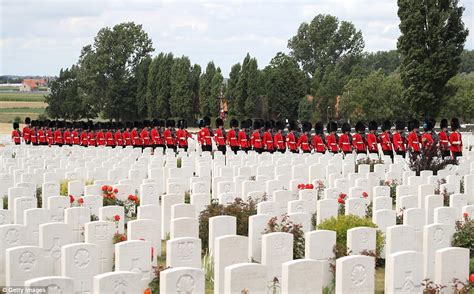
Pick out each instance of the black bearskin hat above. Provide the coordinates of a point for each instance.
(279, 125)
(182, 124)
(373, 126)
(256, 124)
(292, 125)
(307, 126)
(360, 127)
(333, 126)
(455, 124)
(27, 120)
(269, 125)
(386, 126)
(234, 123)
(444, 123)
(427, 126)
(319, 128)
(207, 121)
(416, 124)
(170, 123)
(346, 127)
(219, 122)
(399, 125)
(15, 125)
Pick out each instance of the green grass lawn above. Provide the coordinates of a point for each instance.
(23, 96)
(9, 88)
(21, 110)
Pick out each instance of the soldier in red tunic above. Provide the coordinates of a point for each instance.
(26, 130)
(372, 138)
(100, 135)
(279, 138)
(135, 134)
(358, 140)
(145, 135)
(244, 135)
(256, 138)
(16, 134)
(182, 134)
(427, 140)
(345, 139)
(455, 139)
(34, 132)
(317, 142)
(444, 139)
(49, 133)
(110, 135)
(170, 134)
(385, 138)
(84, 140)
(58, 134)
(219, 136)
(292, 137)
(413, 137)
(232, 134)
(67, 135)
(127, 135)
(304, 141)
(155, 135)
(331, 139)
(268, 144)
(399, 140)
(205, 134)
(91, 135)
(118, 137)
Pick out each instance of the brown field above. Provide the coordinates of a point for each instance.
(22, 104)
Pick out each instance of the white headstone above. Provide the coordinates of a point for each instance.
(80, 261)
(238, 245)
(102, 233)
(183, 252)
(360, 269)
(277, 248)
(182, 280)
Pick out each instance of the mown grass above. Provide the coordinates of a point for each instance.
(10, 88)
(22, 96)
(21, 110)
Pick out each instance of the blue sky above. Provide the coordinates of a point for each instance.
(41, 36)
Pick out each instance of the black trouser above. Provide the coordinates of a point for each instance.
(171, 147)
(306, 151)
(206, 148)
(457, 154)
(402, 153)
(235, 149)
(282, 150)
(445, 153)
(294, 151)
(258, 150)
(222, 148)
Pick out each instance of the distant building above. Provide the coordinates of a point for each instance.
(32, 84)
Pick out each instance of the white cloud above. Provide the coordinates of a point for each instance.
(40, 37)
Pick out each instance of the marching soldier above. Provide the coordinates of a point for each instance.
(243, 136)
(118, 137)
(426, 138)
(318, 139)
(182, 134)
(205, 134)
(256, 138)
(170, 134)
(84, 137)
(279, 138)
(444, 138)
(100, 135)
(91, 135)
(232, 139)
(127, 135)
(58, 134)
(358, 140)
(67, 134)
(219, 136)
(110, 136)
(345, 139)
(398, 139)
(291, 137)
(26, 130)
(268, 137)
(413, 137)
(455, 139)
(49, 133)
(372, 138)
(385, 138)
(34, 132)
(304, 140)
(16, 134)
(331, 139)
(145, 135)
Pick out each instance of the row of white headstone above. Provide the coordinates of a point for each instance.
(31, 239)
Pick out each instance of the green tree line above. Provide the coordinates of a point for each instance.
(326, 75)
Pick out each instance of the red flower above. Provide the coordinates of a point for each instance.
(115, 190)
(147, 291)
(365, 195)
(300, 186)
(340, 200)
(80, 201)
(71, 199)
(466, 215)
(117, 217)
(471, 278)
(104, 188)
(342, 196)
(309, 186)
(130, 197)
(123, 238)
(110, 188)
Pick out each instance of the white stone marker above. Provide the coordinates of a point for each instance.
(152, 212)
(400, 238)
(102, 233)
(80, 261)
(182, 280)
(361, 239)
(404, 272)
(355, 274)
(10, 236)
(52, 284)
(325, 209)
(302, 276)
(356, 206)
(415, 217)
(76, 218)
(435, 237)
(257, 225)
(184, 227)
(108, 213)
(277, 248)
(23, 263)
(32, 218)
(183, 252)
(147, 230)
(221, 226)
(118, 282)
(249, 277)
(238, 245)
(134, 256)
(183, 210)
(51, 237)
(56, 206)
(22, 204)
(451, 263)
(167, 201)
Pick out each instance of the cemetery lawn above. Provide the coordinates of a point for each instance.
(14, 105)
(23, 96)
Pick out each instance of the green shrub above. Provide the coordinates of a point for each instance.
(240, 209)
(464, 235)
(5, 202)
(63, 189)
(345, 222)
(17, 119)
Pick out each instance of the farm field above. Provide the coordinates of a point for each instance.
(18, 105)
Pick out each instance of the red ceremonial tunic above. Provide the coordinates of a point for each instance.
(145, 137)
(109, 138)
(169, 138)
(182, 137)
(49, 137)
(118, 138)
(67, 137)
(303, 143)
(358, 143)
(204, 137)
(345, 143)
(127, 138)
(385, 141)
(291, 141)
(100, 138)
(26, 134)
(243, 140)
(318, 144)
(58, 137)
(91, 137)
(256, 140)
(41, 136)
(413, 141)
(443, 140)
(426, 140)
(331, 143)
(399, 142)
(279, 141)
(268, 141)
(219, 137)
(455, 139)
(33, 136)
(372, 142)
(232, 138)
(155, 137)
(75, 137)
(16, 137)
(135, 138)
(84, 139)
